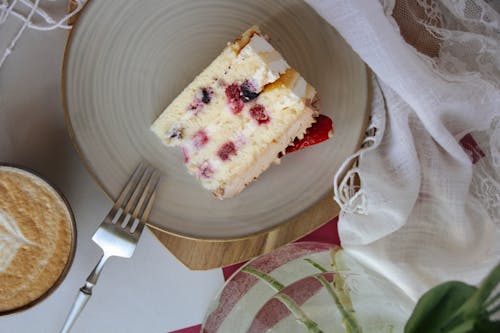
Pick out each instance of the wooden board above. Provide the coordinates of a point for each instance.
(200, 254)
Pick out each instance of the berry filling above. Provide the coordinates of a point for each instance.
(258, 112)
(233, 94)
(200, 139)
(202, 97)
(196, 107)
(248, 91)
(186, 154)
(175, 133)
(237, 95)
(226, 150)
(207, 95)
(206, 170)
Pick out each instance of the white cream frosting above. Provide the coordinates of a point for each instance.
(257, 44)
(299, 88)
(273, 65)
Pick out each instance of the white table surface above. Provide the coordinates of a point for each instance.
(152, 291)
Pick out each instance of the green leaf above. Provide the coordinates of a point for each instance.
(437, 305)
(455, 307)
(487, 326)
(475, 309)
(480, 300)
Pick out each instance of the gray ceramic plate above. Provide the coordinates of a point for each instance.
(125, 62)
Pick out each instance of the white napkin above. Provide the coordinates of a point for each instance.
(417, 219)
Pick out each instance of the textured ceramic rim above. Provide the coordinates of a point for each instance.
(319, 205)
(72, 251)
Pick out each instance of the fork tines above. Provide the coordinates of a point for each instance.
(134, 204)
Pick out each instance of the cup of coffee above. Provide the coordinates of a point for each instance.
(37, 238)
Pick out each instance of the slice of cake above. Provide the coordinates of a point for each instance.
(235, 118)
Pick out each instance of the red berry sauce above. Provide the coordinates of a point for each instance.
(318, 132)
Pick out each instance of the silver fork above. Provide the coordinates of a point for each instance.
(119, 233)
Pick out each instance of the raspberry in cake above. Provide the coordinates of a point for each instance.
(238, 115)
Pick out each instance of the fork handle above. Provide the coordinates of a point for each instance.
(83, 295)
(81, 300)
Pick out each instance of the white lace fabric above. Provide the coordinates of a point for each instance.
(32, 16)
(485, 185)
(423, 212)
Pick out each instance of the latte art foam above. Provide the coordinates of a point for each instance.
(36, 238)
(11, 239)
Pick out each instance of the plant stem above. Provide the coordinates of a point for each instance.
(298, 313)
(348, 321)
(316, 265)
(272, 282)
(470, 310)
